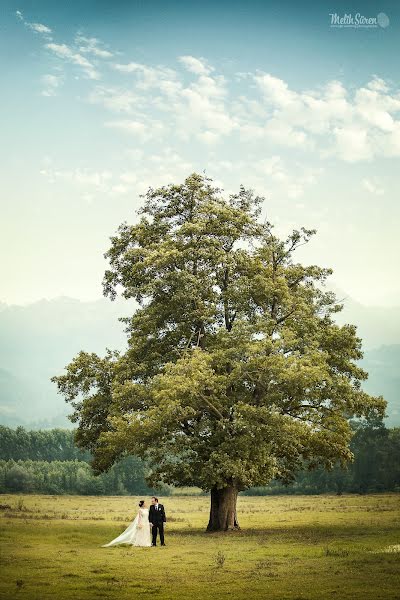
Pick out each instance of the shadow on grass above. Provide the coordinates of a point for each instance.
(304, 533)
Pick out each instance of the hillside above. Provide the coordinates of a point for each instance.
(39, 339)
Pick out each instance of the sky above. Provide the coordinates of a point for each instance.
(101, 100)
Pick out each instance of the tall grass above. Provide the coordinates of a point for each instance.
(288, 548)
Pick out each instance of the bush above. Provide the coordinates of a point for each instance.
(18, 479)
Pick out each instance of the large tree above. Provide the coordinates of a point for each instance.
(235, 371)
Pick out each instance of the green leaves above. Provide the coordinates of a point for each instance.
(235, 370)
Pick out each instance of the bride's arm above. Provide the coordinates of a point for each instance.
(140, 518)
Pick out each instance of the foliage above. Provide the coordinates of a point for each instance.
(376, 467)
(74, 477)
(235, 371)
(50, 462)
(52, 444)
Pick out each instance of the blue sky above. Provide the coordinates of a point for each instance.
(103, 99)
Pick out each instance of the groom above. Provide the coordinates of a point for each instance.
(157, 519)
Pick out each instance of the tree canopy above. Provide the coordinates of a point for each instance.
(235, 371)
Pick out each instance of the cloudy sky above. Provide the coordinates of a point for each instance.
(103, 99)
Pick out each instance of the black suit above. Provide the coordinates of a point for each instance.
(157, 518)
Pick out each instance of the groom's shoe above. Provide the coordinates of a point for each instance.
(163, 544)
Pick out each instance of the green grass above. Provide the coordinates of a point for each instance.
(297, 548)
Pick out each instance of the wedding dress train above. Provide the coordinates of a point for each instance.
(137, 533)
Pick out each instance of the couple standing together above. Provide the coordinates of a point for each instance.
(145, 526)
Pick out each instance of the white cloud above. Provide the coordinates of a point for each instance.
(374, 108)
(118, 100)
(353, 127)
(270, 131)
(79, 176)
(93, 46)
(202, 109)
(92, 183)
(373, 187)
(148, 77)
(271, 167)
(330, 120)
(287, 180)
(36, 27)
(392, 146)
(276, 130)
(65, 52)
(276, 177)
(131, 67)
(378, 85)
(142, 130)
(198, 109)
(89, 183)
(129, 126)
(352, 144)
(275, 90)
(69, 53)
(150, 170)
(195, 65)
(39, 28)
(51, 83)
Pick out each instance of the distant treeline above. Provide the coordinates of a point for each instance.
(51, 444)
(73, 477)
(48, 462)
(376, 467)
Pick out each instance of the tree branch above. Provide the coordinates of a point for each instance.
(296, 281)
(281, 319)
(213, 408)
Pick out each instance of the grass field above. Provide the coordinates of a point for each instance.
(297, 548)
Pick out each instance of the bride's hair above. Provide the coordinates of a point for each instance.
(141, 503)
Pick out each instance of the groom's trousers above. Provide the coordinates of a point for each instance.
(160, 528)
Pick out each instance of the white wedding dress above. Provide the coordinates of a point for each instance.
(137, 533)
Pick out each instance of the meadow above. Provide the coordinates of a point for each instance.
(289, 547)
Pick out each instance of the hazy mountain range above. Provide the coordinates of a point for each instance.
(38, 340)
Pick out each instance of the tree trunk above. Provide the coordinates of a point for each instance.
(223, 515)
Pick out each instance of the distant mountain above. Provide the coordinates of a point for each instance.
(383, 366)
(376, 325)
(14, 392)
(38, 340)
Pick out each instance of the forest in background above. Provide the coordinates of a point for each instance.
(48, 462)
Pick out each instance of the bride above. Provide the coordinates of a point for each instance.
(138, 532)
